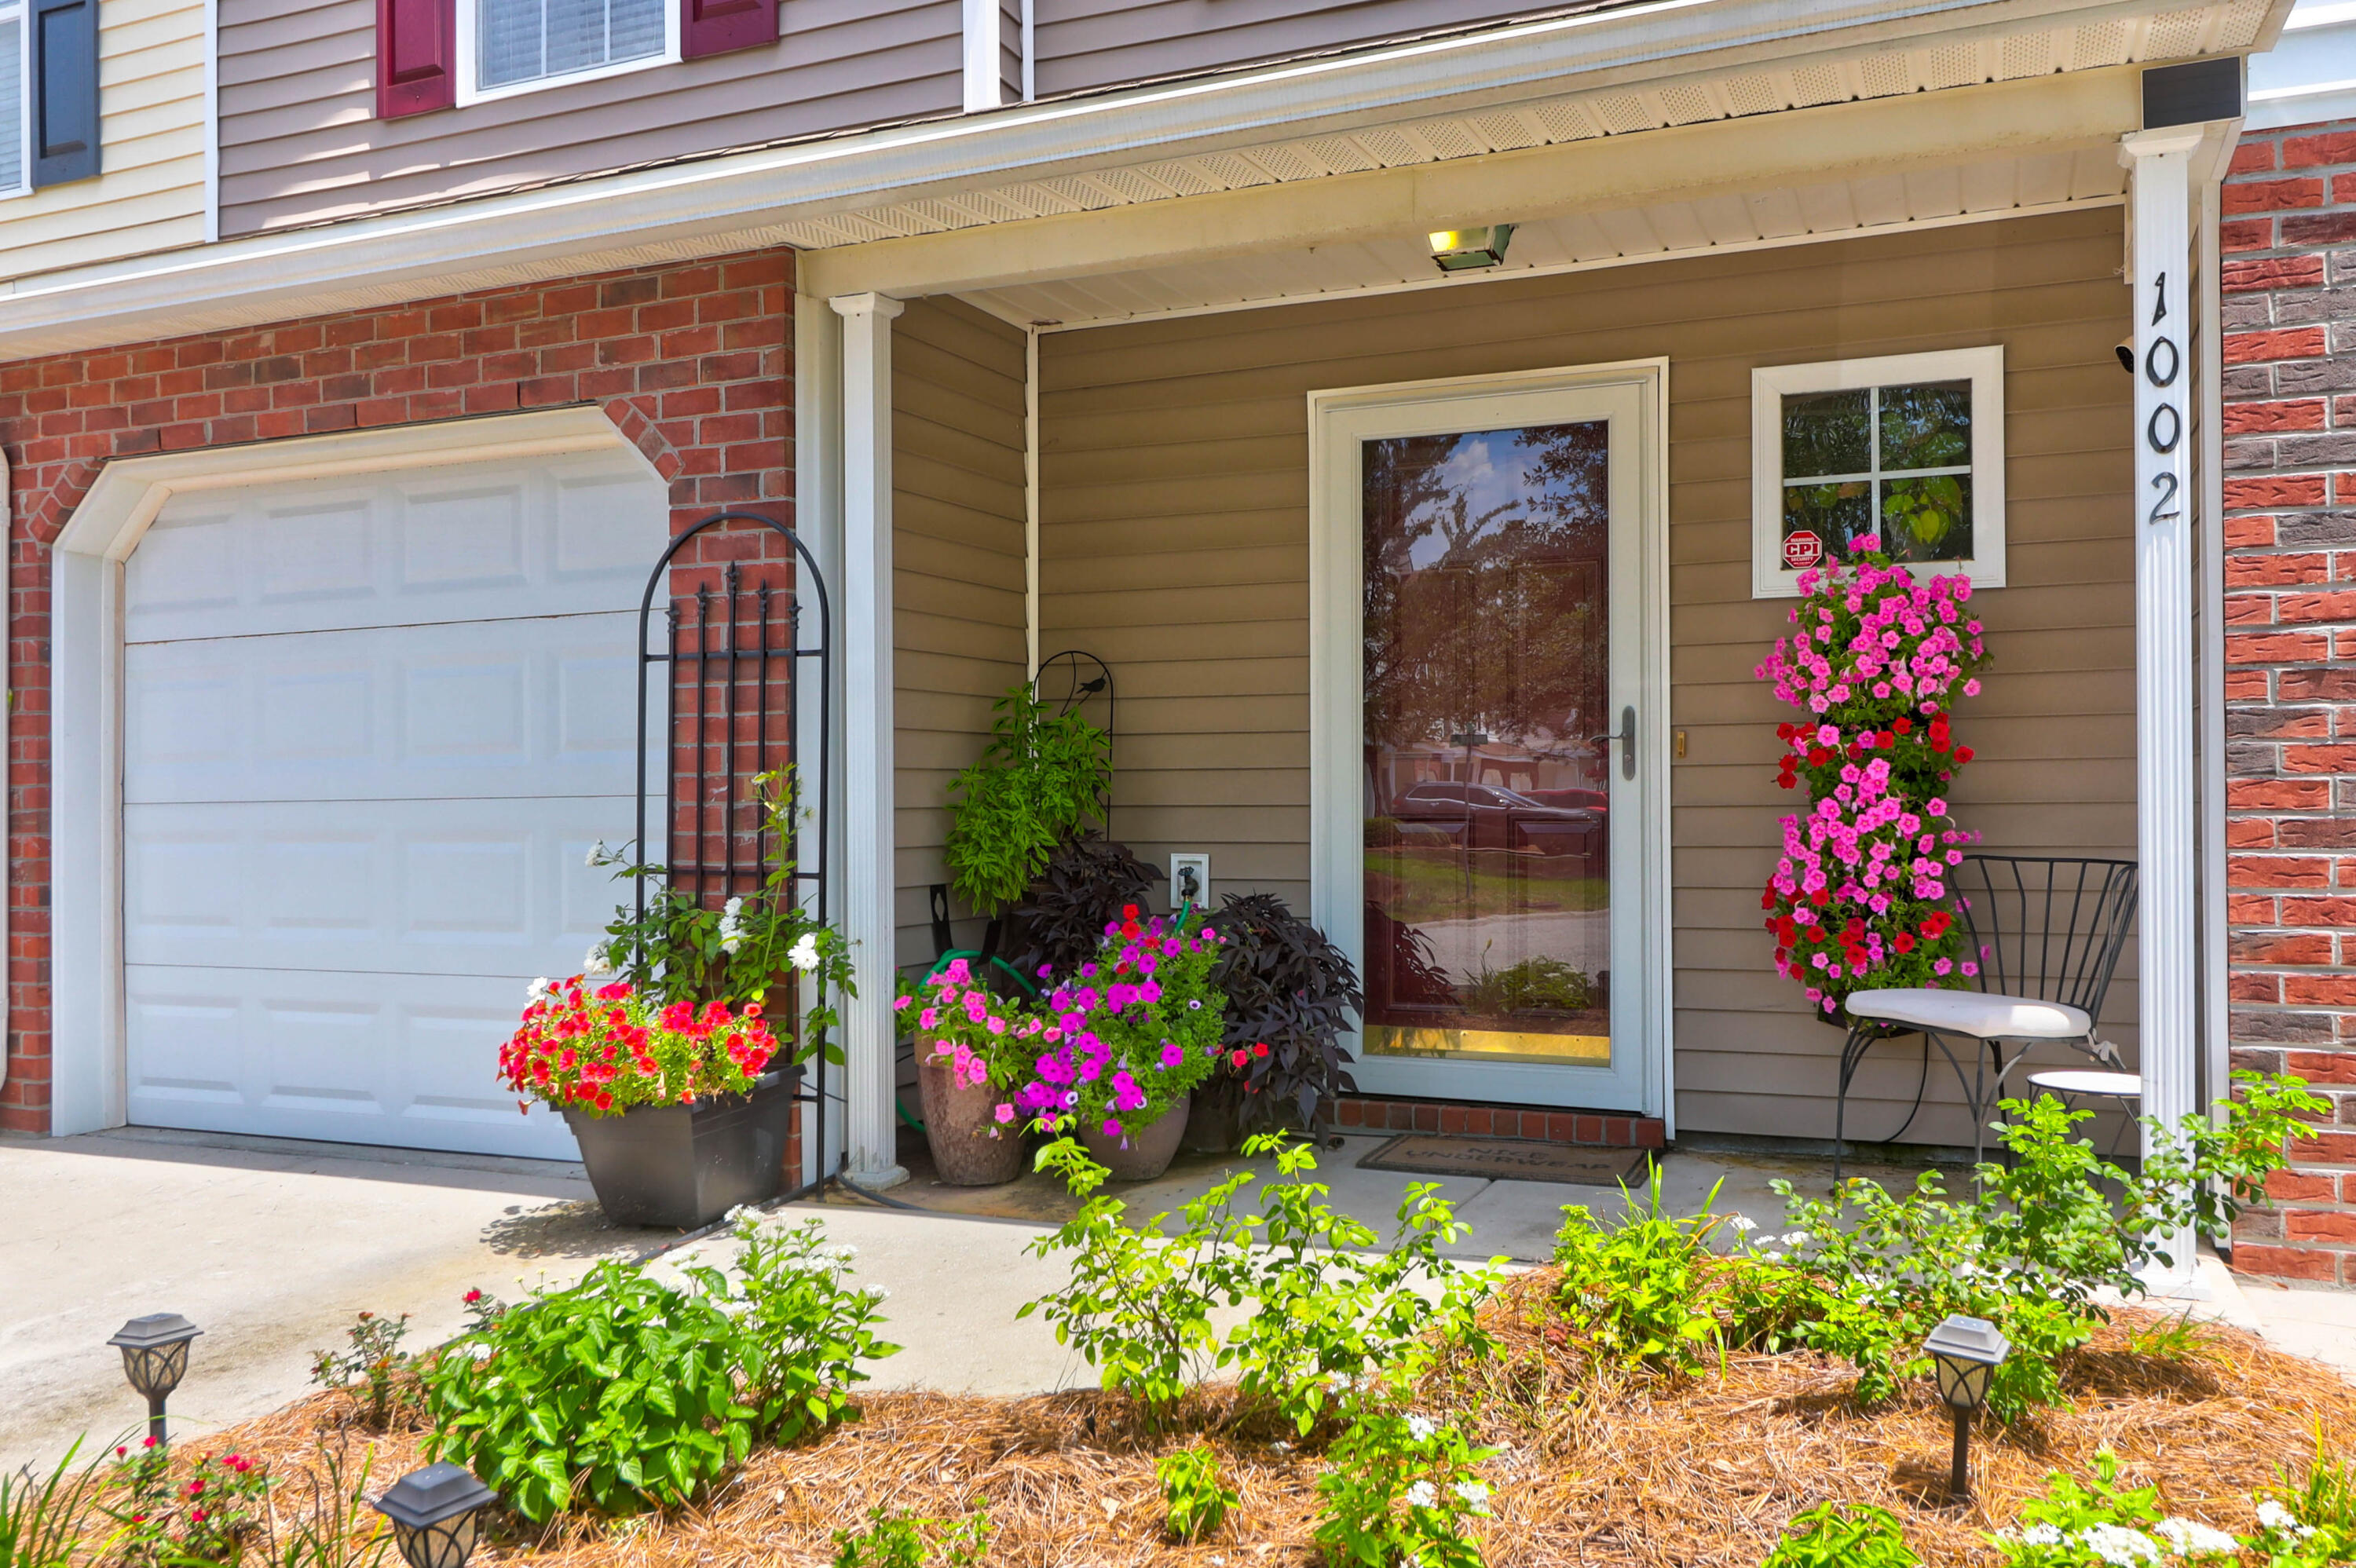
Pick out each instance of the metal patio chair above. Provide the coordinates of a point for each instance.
(2048, 931)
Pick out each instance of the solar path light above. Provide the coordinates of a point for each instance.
(1964, 1352)
(154, 1358)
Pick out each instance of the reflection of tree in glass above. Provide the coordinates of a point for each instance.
(1485, 619)
(1826, 434)
(1929, 426)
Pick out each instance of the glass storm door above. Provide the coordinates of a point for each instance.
(1503, 872)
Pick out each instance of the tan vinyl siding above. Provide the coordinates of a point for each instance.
(301, 142)
(1175, 545)
(1085, 44)
(959, 566)
(150, 192)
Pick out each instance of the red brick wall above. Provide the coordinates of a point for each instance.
(2290, 283)
(693, 362)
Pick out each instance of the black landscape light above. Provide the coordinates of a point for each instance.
(437, 1513)
(154, 1358)
(1966, 1353)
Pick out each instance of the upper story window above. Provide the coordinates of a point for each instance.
(12, 126)
(521, 44)
(1905, 448)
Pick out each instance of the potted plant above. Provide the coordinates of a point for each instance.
(1042, 777)
(1127, 1038)
(971, 1048)
(1086, 883)
(1289, 994)
(663, 1055)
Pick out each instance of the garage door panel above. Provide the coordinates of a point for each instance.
(498, 887)
(403, 1060)
(475, 709)
(460, 544)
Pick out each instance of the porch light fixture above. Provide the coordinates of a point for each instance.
(1469, 249)
(436, 1514)
(154, 1358)
(1964, 1352)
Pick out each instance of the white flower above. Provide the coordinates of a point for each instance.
(1770, 1254)
(2190, 1538)
(479, 1350)
(738, 1212)
(1744, 1223)
(729, 944)
(598, 855)
(598, 963)
(538, 991)
(1475, 1496)
(1420, 1494)
(1795, 1238)
(1420, 1429)
(2041, 1535)
(803, 953)
(733, 907)
(2118, 1545)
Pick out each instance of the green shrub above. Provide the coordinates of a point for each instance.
(1328, 1312)
(42, 1517)
(622, 1392)
(2098, 1522)
(905, 1541)
(1399, 1487)
(1826, 1537)
(1193, 1496)
(2312, 1523)
(1041, 779)
(373, 1366)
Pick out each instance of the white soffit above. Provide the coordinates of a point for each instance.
(1958, 61)
(2037, 182)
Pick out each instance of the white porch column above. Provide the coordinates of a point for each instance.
(868, 880)
(2167, 838)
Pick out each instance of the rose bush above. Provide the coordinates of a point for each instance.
(1131, 1034)
(1874, 660)
(605, 1048)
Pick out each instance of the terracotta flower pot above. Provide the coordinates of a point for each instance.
(970, 1147)
(1149, 1150)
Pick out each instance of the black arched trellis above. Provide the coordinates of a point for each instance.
(1065, 679)
(728, 642)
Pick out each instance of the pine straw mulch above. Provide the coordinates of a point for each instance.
(1597, 1469)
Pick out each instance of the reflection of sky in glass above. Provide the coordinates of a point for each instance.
(1486, 470)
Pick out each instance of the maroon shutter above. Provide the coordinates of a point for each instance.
(716, 26)
(416, 56)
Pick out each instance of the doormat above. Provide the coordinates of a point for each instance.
(1508, 1160)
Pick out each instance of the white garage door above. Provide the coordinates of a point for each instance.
(373, 726)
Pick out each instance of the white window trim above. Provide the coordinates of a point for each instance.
(468, 66)
(24, 187)
(1983, 367)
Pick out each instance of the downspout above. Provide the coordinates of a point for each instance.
(1030, 500)
(2216, 934)
(7, 792)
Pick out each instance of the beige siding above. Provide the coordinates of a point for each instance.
(958, 570)
(1085, 44)
(150, 193)
(1173, 544)
(301, 142)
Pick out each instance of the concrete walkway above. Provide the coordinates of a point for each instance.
(272, 1247)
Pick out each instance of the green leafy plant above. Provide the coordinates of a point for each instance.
(42, 1517)
(2312, 1523)
(622, 1392)
(2032, 1249)
(890, 1540)
(2097, 1521)
(1042, 778)
(372, 1364)
(1400, 1487)
(680, 950)
(1329, 1316)
(1193, 1496)
(207, 1515)
(1531, 985)
(1828, 1536)
(1291, 994)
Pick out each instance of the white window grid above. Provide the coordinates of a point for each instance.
(470, 65)
(1983, 368)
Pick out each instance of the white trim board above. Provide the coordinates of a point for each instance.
(1644, 1080)
(87, 1087)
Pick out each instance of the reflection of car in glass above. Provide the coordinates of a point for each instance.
(1489, 816)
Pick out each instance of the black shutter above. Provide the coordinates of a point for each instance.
(65, 90)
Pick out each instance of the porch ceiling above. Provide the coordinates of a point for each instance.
(2012, 45)
(1781, 214)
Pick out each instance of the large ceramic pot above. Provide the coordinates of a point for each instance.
(1148, 1149)
(685, 1166)
(969, 1148)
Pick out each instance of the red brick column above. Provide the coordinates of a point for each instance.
(2289, 352)
(693, 362)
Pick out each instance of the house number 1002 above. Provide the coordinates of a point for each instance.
(2165, 430)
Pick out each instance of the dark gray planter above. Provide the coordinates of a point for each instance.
(685, 1166)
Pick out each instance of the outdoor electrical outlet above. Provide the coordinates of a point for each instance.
(1190, 881)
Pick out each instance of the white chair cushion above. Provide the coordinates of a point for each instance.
(2079, 1081)
(1974, 1013)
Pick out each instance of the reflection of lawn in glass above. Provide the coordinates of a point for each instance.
(1420, 886)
